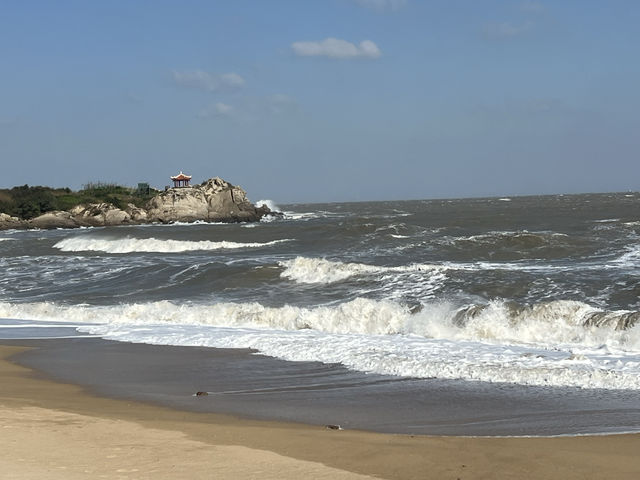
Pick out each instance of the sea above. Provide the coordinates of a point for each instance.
(531, 291)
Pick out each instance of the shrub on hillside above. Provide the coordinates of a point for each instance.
(28, 202)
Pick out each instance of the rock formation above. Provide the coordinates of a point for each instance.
(100, 214)
(215, 200)
(56, 219)
(137, 214)
(7, 222)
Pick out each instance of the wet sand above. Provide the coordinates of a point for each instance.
(254, 386)
(58, 430)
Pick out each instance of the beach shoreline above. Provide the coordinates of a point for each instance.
(30, 398)
(244, 383)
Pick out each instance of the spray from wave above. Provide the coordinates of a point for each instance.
(290, 215)
(269, 204)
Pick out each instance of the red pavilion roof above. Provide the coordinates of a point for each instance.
(181, 176)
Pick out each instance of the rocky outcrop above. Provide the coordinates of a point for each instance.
(100, 215)
(212, 201)
(7, 222)
(137, 214)
(56, 219)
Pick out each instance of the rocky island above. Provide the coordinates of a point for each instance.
(214, 200)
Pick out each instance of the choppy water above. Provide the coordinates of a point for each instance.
(528, 290)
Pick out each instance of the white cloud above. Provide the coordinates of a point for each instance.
(223, 109)
(381, 5)
(232, 80)
(218, 110)
(506, 30)
(336, 48)
(208, 81)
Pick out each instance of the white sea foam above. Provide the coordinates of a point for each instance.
(547, 344)
(188, 224)
(301, 215)
(507, 236)
(405, 355)
(287, 214)
(305, 216)
(320, 270)
(128, 245)
(630, 258)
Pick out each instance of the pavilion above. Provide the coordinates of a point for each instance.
(181, 180)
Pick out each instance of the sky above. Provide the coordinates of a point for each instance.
(324, 100)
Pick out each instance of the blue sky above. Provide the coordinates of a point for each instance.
(324, 100)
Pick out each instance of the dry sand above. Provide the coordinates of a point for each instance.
(53, 430)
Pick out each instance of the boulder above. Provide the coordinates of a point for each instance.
(100, 215)
(137, 214)
(55, 219)
(7, 222)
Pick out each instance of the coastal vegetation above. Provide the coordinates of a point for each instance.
(27, 202)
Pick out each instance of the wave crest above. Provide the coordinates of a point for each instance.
(130, 245)
(558, 343)
(547, 325)
(320, 270)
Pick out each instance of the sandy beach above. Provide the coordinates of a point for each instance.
(57, 430)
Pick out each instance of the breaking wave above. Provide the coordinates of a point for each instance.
(323, 271)
(320, 270)
(560, 343)
(128, 245)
